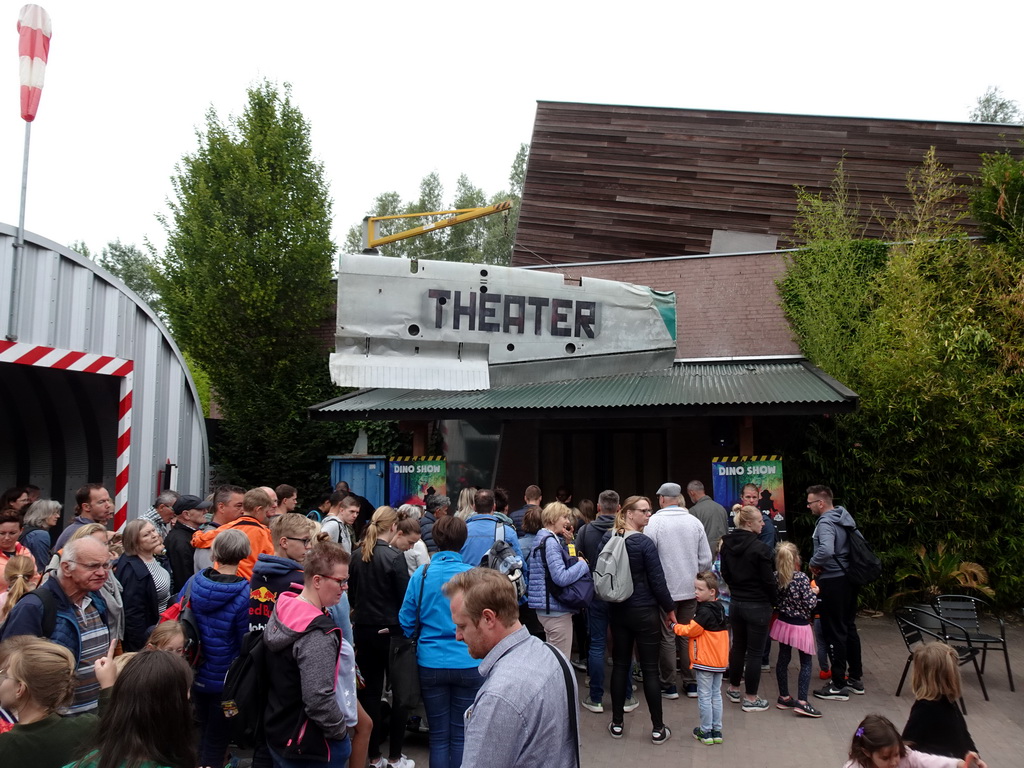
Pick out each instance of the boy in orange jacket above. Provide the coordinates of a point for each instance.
(708, 635)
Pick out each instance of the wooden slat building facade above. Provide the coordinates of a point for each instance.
(618, 182)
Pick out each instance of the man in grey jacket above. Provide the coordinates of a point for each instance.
(837, 594)
(523, 715)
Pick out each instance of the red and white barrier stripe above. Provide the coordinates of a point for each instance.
(34, 32)
(69, 360)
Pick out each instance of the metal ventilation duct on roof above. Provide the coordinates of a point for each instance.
(454, 326)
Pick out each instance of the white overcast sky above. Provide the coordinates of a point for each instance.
(395, 90)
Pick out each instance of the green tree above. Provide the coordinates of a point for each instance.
(487, 240)
(135, 268)
(928, 330)
(993, 107)
(246, 281)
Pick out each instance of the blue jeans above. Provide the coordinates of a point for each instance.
(598, 617)
(214, 730)
(340, 753)
(447, 694)
(709, 699)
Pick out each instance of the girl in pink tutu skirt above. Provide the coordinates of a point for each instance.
(792, 629)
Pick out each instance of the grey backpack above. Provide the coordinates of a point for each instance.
(613, 581)
(503, 558)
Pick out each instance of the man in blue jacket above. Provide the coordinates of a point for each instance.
(482, 528)
(69, 610)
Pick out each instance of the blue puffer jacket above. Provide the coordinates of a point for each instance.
(221, 606)
(563, 569)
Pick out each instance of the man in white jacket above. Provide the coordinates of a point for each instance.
(684, 552)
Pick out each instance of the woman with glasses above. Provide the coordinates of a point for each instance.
(37, 678)
(380, 576)
(636, 620)
(220, 602)
(311, 668)
(145, 576)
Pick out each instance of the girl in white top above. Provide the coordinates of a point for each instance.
(877, 744)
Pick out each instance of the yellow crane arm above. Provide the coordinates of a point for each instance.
(370, 239)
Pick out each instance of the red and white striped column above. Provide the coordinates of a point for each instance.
(104, 365)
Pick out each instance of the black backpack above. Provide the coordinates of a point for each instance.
(864, 567)
(246, 690)
(181, 612)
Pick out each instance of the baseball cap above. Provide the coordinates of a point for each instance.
(185, 503)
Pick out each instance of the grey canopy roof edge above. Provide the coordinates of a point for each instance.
(790, 387)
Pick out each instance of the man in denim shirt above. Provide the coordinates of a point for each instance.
(520, 715)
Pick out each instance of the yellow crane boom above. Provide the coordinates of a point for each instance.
(371, 240)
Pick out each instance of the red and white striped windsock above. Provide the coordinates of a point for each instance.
(34, 32)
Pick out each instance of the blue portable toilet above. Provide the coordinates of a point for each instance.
(364, 475)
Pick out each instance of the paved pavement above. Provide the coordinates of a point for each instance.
(779, 738)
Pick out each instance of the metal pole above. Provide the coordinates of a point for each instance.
(19, 244)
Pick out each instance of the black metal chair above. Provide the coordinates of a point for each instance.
(910, 622)
(963, 610)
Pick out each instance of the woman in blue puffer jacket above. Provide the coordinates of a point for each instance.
(220, 601)
(563, 570)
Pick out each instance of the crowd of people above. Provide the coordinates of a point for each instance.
(115, 647)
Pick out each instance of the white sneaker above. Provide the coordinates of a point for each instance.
(380, 762)
(403, 762)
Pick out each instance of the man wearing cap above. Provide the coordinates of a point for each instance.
(683, 548)
(189, 514)
(162, 513)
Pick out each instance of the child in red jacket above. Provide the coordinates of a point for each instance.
(708, 635)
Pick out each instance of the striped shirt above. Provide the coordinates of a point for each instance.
(162, 582)
(95, 642)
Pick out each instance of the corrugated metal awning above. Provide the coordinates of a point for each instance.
(792, 387)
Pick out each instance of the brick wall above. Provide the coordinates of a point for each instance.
(726, 306)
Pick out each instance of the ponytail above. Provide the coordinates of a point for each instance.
(620, 517)
(381, 522)
(20, 574)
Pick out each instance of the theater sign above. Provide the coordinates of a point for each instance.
(413, 324)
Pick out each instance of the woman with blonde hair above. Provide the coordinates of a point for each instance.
(465, 508)
(378, 580)
(22, 577)
(935, 724)
(551, 565)
(748, 567)
(37, 678)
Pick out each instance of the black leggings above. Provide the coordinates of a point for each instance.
(749, 634)
(640, 625)
(782, 672)
(372, 649)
